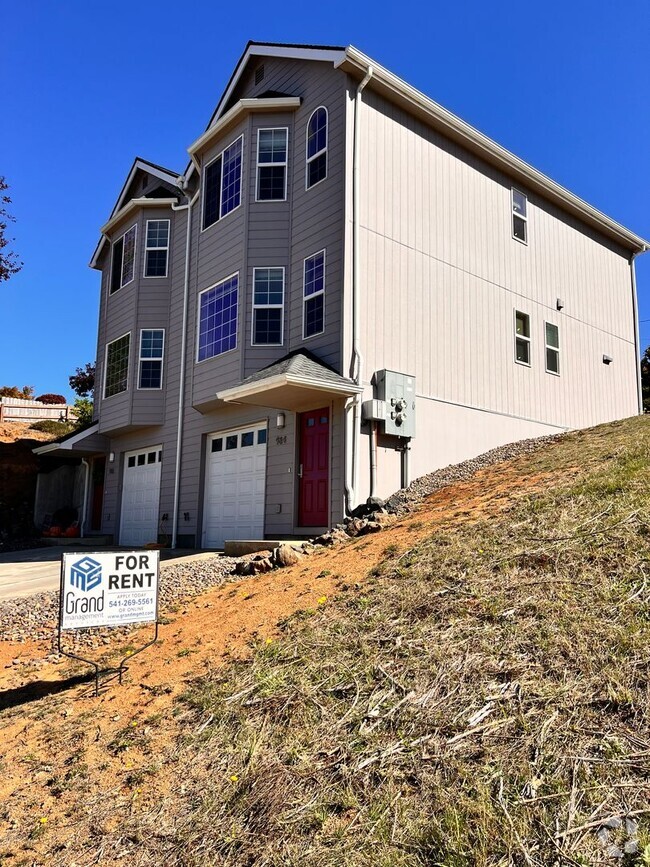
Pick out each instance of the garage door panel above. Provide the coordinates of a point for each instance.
(235, 486)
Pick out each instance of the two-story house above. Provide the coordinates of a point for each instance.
(347, 287)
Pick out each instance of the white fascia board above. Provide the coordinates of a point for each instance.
(69, 443)
(168, 177)
(239, 392)
(284, 103)
(326, 55)
(144, 202)
(492, 152)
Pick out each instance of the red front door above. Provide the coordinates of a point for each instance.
(314, 468)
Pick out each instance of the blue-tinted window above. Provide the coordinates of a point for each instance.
(314, 295)
(231, 442)
(261, 437)
(218, 318)
(151, 355)
(222, 184)
(317, 147)
(117, 366)
(248, 438)
(268, 306)
(217, 445)
(271, 164)
(156, 249)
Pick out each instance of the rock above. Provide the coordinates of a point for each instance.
(263, 555)
(612, 823)
(354, 526)
(308, 548)
(370, 527)
(285, 555)
(256, 566)
(383, 518)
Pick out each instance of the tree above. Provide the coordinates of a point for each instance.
(24, 393)
(9, 262)
(51, 398)
(82, 382)
(645, 379)
(83, 406)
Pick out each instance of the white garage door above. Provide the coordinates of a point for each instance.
(140, 496)
(234, 486)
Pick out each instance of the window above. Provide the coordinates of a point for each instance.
(268, 306)
(552, 348)
(123, 267)
(317, 147)
(222, 184)
(522, 337)
(218, 318)
(313, 321)
(117, 366)
(151, 354)
(519, 217)
(156, 248)
(271, 164)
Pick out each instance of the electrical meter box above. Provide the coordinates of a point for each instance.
(398, 392)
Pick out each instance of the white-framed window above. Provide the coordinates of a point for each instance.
(522, 338)
(316, 147)
(268, 307)
(222, 183)
(313, 310)
(116, 365)
(123, 262)
(519, 216)
(152, 345)
(271, 182)
(552, 347)
(218, 307)
(156, 251)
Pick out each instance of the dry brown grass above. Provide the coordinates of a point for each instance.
(482, 701)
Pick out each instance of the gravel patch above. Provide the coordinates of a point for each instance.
(36, 617)
(407, 499)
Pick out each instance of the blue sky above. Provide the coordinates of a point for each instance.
(88, 86)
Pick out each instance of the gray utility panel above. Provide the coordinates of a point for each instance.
(397, 390)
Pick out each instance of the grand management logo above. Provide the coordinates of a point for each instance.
(86, 574)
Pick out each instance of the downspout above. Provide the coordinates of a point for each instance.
(181, 388)
(85, 502)
(352, 453)
(637, 341)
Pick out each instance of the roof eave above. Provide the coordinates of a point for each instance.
(354, 61)
(240, 392)
(132, 205)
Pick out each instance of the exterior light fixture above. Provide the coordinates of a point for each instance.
(280, 420)
(559, 303)
(111, 457)
(607, 359)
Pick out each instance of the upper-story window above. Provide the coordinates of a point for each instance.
(123, 264)
(519, 216)
(271, 164)
(317, 147)
(156, 248)
(218, 318)
(222, 183)
(522, 337)
(152, 342)
(268, 306)
(552, 335)
(313, 319)
(116, 367)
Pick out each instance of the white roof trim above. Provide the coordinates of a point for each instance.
(516, 168)
(284, 103)
(327, 55)
(143, 202)
(169, 177)
(69, 443)
(239, 392)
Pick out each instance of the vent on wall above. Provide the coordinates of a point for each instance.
(259, 74)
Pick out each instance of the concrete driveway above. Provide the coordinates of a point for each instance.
(37, 570)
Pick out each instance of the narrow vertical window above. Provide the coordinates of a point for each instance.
(317, 147)
(552, 348)
(218, 318)
(314, 295)
(117, 366)
(522, 337)
(519, 216)
(156, 248)
(151, 358)
(272, 164)
(268, 306)
(123, 263)
(222, 183)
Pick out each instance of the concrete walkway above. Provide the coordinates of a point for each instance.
(38, 570)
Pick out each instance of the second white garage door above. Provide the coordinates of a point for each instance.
(234, 486)
(140, 496)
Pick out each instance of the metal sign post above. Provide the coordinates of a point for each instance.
(108, 590)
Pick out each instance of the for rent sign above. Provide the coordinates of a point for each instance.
(109, 589)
